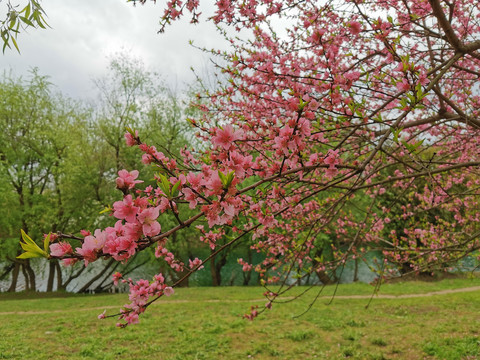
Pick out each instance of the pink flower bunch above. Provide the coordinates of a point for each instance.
(245, 266)
(130, 139)
(162, 252)
(61, 249)
(140, 294)
(138, 215)
(92, 245)
(116, 278)
(226, 136)
(126, 180)
(194, 263)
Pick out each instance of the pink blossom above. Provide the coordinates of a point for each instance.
(196, 262)
(195, 180)
(117, 230)
(158, 251)
(168, 291)
(131, 318)
(53, 236)
(228, 208)
(191, 197)
(91, 246)
(89, 255)
(147, 159)
(141, 202)
(403, 85)
(60, 249)
(121, 248)
(69, 262)
(225, 137)
(130, 139)
(159, 278)
(125, 209)
(332, 158)
(355, 27)
(116, 277)
(147, 218)
(126, 180)
(85, 233)
(133, 230)
(214, 184)
(283, 142)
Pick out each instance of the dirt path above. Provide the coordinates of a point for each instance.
(407, 296)
(379, 296)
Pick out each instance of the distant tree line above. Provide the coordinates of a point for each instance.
(59, 158)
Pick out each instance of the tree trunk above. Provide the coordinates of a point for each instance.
(100, 287)
(355, 270)
(216, 269)
(216, 277)
(31, 275)
(15, 273)
(73, 277)
(60, 285)
(7, 270)
(324, 278)
(307, 280)
(96, 277)
(25, 275)
(51, 276)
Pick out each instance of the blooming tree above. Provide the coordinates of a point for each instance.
(353, 119)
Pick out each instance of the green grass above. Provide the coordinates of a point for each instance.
(206, 323)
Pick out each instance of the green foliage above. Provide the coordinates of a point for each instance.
(17, 18)
(44, 177)
(31, 248)
(226, 179)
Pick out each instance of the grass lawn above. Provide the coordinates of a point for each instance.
(206, 323)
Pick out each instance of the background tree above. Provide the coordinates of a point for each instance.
(37, 126)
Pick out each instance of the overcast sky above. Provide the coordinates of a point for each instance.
(84, 33)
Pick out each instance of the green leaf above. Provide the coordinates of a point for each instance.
(164, 185)
(175, 188)
(107, 209)
(130, 130)
(28, 255)
(26, 11)
(26, 238)
(30, 247)
(25, 247)
(301, 104)
(46, 242)
(230, 178)
(15, 43)
(396, 134)
(33, 250)
(222, 177)
(26, 21)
